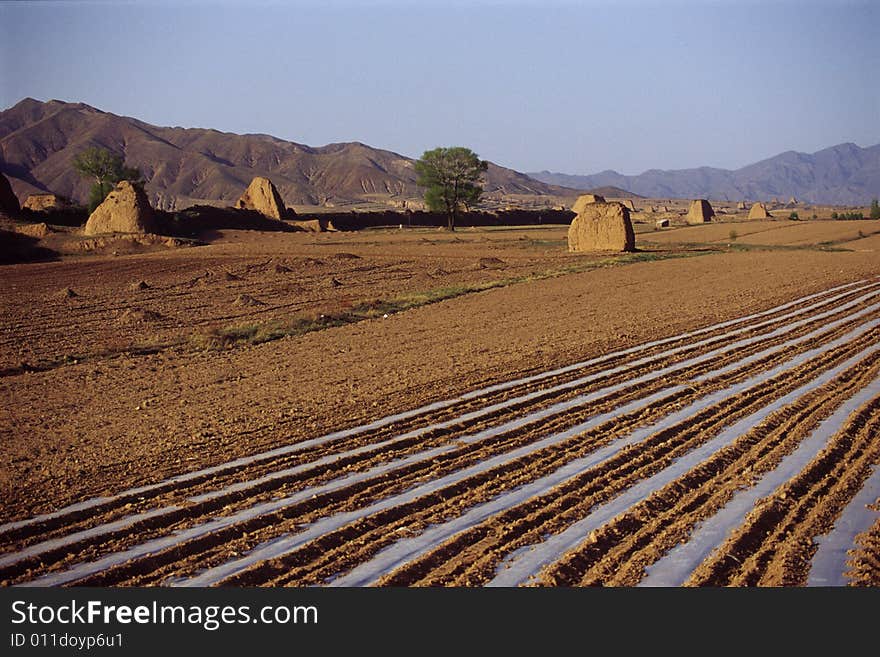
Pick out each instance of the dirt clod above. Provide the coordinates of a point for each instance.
(247, 300)
(490, 263)
(138, 316)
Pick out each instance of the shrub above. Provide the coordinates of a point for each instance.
(793, 216)
(875, 209)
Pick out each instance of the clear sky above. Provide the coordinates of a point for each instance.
(576, 87)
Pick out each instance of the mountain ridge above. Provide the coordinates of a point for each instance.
(187, 166)
(845, 174)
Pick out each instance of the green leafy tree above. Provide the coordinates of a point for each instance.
(452, 178)
(875, 209)
(106, 169)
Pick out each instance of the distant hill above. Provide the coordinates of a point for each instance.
(841, 175)
(609, 191)
(186, 166)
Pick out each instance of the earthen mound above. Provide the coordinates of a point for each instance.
(46, 203)
(335, 283)
(140, 285)
(262, 196)
(663, 223)
(67, 293)
(229, 276)
(490, 263)
(247, 300)
(8, 199)
(138, 316)
(131, 243)
(346, 256)
(16, 247)
(198, 219)
(312, 225)
(759, 211)
(586, 199)
(699, 212)
(741, 205)
(602, 227)
(281, 269)
(125, 210)
(39, 230)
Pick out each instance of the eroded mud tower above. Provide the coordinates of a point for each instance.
(125, 210)
(262, 196)
(601, 227)
(700, 212)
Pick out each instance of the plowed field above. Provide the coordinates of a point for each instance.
(708, 420)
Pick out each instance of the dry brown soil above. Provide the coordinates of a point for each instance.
(125, 382)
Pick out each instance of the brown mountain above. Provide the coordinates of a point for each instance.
(187, 166)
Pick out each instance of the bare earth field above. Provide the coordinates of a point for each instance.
(770, 233)
(424, 408)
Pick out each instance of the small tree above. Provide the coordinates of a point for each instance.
(875, 209)
(106, 169)
(452, 180)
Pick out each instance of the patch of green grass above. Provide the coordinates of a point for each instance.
(499, 229)
(235, 335)
(738, 247)
(228, 337)
(771, 247)
(530, 242)
(833, 248)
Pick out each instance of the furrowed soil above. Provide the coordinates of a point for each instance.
(778, 232)
(226, 414)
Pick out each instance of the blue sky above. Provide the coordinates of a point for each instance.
(576, 87)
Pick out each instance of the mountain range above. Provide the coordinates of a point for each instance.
(841, 175)
(188, 166)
